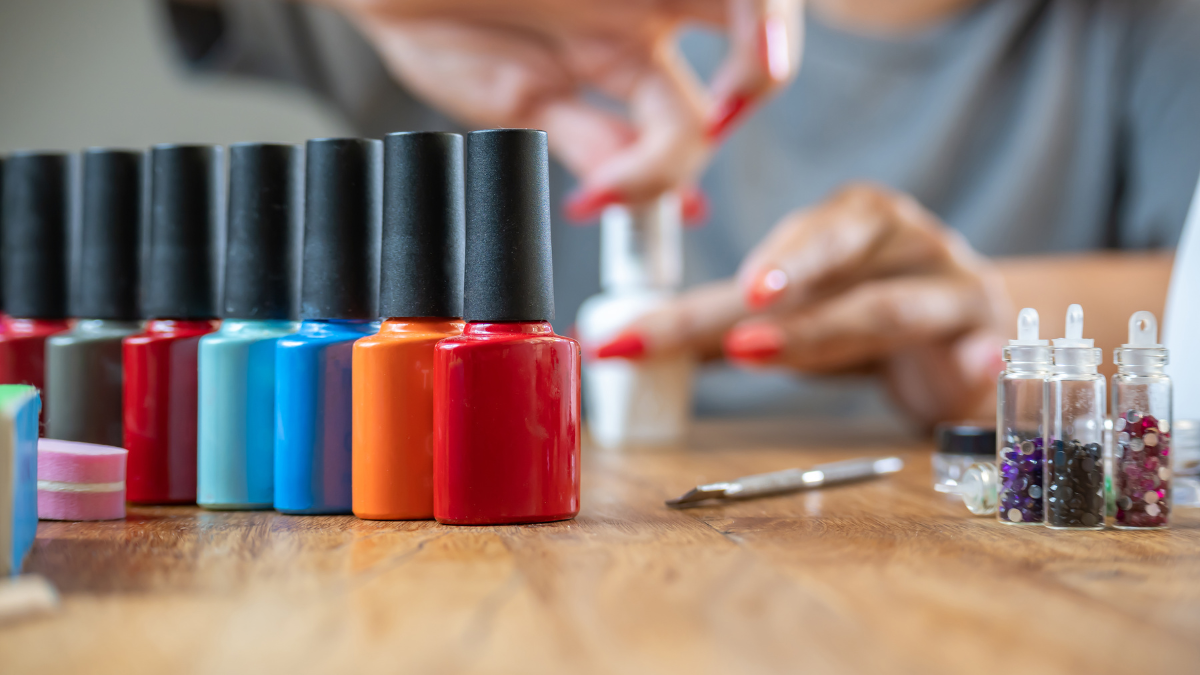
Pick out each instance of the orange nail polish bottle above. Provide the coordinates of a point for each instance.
(421, 283)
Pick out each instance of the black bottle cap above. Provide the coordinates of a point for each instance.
(179, 281)
(261, 244)
(110, 235)
(965, 439)
(509, 275)
(35, 235)
(342, 213)
(423, 224)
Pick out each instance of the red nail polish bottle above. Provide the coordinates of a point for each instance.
(506, 392)
(34, 262)
(179, 299)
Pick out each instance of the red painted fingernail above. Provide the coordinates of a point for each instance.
(695, 206)
(584, 205)
(767, 288)
(728, 112)
(624, 346)
(774, 49)
(755, 342)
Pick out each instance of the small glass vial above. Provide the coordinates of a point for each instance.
(1141, 400)
(1076, 405)
(979, 488)
(1020, 422)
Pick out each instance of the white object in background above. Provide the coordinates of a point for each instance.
(26, 596)
(636, 402)
(1181, 332)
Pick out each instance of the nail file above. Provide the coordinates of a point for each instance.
(788, 480)
(19, 408)
(80, 481)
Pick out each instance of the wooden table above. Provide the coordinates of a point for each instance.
(886, 576)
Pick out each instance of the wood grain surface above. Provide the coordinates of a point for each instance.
(885, 576)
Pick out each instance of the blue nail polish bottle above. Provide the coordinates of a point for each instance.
(236, 425)
(339, 304)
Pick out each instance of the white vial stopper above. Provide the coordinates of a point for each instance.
(1143, 331)
(1074, 336)
(1027, 330)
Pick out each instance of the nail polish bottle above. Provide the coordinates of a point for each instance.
(1021, 424)
(339, 305)
(1142, 451)
(236, 432)
(34, 263)
(179, 300)
(506, 391)
(83, 365)
(1074, 475)
(421, 280)
(19, 407)
(645, 401)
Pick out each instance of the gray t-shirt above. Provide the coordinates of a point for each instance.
(1031, 126)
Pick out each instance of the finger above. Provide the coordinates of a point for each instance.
(863, 325)
(666, 106)
(694, 322)
(861, 233)
(947, 379)
(764, 54)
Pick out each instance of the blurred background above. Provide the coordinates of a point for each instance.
(77, 73)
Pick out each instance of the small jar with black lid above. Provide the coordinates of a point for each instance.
(1075, 432)
(958, 447)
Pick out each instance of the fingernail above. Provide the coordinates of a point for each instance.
(728, 112)
(774, 49)
(585, 205)
(624, 346)
(755, 342)
(767, 288)
(695, 206)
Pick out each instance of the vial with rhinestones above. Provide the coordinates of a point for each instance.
(1076, 404)
(1020, 422)
(1141, 400)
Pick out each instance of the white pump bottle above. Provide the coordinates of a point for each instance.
(636, 402)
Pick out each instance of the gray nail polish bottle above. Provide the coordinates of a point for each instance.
(83, 365)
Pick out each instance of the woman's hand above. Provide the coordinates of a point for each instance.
(532, 63)
(866, 281)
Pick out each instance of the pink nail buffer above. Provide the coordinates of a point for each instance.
(80, 481)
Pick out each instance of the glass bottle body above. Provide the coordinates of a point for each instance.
(235, 440)
(1074, 476)
(86, 383)
(506, 425)
(393, 418)
(1020, 455)
(1142, 448)
(160, 410)
(643, 402)
(313, 413)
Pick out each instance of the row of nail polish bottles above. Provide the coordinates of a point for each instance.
(646, 401)
(414, 421)
(1051, 408)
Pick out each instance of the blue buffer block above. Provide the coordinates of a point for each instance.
(313, 416)
(19, 408)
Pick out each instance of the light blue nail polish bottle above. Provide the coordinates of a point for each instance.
(339, 305)
(236, 424)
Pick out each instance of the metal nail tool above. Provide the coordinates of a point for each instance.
(789, 480)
